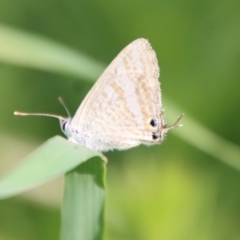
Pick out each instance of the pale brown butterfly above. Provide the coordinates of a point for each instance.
(124, 108)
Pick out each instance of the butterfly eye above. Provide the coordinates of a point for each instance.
(153, 122)
(64, 126)
(155, 136)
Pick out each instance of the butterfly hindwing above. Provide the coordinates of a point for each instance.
(117, 111)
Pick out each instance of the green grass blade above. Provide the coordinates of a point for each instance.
(54, 158)
(30, 50)
(83, 205)
(206, 140)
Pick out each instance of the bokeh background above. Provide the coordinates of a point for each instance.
(174, 191)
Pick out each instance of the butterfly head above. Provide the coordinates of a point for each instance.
(64, 124)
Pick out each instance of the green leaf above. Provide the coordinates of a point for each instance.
(52, 159)
(83, 204)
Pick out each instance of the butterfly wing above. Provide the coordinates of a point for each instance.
(117, 111)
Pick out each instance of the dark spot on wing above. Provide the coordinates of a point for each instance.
(153, 122)
(155, 136)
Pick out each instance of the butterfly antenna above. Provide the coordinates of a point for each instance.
(64, 105)
(38, 114)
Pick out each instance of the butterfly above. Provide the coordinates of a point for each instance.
(123, 109)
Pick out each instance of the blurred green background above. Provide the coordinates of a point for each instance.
(172, 191)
